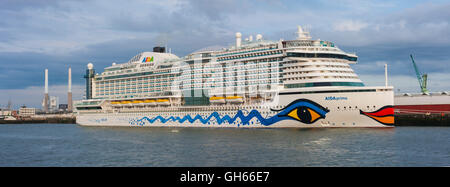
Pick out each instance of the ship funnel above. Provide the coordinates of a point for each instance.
(159, 49)
(238, 39)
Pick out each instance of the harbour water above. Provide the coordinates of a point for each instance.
(73, 145)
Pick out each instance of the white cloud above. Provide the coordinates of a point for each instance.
(350, 25)
(65, 27)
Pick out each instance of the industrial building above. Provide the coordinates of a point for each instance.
(51, 103)
(26, 112)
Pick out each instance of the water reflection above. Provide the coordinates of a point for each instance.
(71, 145)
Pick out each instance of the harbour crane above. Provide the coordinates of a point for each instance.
(421, 78)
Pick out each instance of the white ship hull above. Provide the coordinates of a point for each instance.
(338, 109)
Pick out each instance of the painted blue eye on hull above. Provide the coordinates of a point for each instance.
(303, 103)
(302, 110)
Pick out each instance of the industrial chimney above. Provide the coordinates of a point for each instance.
(69, 93)
(46, 92)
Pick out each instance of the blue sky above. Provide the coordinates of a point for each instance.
(56, 34)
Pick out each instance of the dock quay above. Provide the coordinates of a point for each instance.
(49, 118)
(420, 119)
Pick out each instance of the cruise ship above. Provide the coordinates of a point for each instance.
(255, 83)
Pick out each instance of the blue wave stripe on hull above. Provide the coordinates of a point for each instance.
(245, 120)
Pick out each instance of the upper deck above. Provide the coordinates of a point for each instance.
(251, 67)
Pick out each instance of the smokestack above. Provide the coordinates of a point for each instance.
(69, 93)
(46, 92)
(159, 49)
(70, 79)
(46, 81)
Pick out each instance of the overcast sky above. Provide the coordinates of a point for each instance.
(56, 34)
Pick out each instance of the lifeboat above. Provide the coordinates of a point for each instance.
(115, 102)
(217, 100)
(235, 99)
(150, 102)
(163, 102)
(125, 103)
(137, 102)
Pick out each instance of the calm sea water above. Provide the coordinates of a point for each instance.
(73, 145)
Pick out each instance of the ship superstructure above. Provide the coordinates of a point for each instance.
(256, 83)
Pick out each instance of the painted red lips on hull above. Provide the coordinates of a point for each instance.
(384, 115)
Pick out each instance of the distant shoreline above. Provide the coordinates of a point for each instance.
(63, 120)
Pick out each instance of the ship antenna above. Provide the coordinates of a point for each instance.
(301, 34)
(386, 75)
